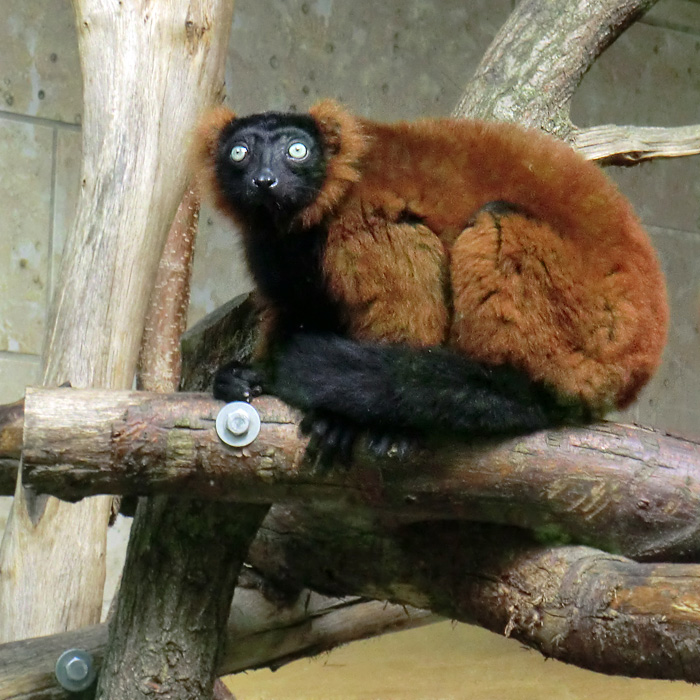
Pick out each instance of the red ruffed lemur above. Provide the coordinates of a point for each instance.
(440, 275)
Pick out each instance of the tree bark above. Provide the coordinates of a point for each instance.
(228, 333)
(626, 489)
(181, 569)
(532, 68)
(11, 428)
(576, 604)
(149, 69)
(160, 359)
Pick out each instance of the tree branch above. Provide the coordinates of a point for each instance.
(626, 489)
(628, 145)
(576, 604)
(522, 65)
(269, 633)
(538, 58)
(166, 318)
(181, 568)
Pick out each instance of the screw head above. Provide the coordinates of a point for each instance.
(238, 422)
(77, 669)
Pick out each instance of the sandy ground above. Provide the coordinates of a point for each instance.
(445, 662)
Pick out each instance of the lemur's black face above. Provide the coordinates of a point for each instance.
(272, 162)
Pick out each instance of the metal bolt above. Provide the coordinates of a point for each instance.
(238, 424)
(75, 670)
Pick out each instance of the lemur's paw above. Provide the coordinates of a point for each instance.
(237, 382)
(332, 438)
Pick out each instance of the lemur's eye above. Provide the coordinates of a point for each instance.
(297, 150)
(239, 152)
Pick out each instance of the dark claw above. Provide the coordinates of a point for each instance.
(405, 446)
(379, 445)
(394, 446)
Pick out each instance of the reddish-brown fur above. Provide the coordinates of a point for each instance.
(569, 291)
(203, 154)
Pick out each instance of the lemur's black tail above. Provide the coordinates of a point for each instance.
(397, 387)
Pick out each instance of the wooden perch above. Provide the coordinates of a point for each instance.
(626, 489)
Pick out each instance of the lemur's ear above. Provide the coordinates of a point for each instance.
(344, 144)
(203, 151)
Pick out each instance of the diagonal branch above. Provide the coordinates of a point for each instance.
(538, 58)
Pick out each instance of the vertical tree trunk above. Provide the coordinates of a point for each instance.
(148, 71)
(180, 573)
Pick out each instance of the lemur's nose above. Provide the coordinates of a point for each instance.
(265, 179)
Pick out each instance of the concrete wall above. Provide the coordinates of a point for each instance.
(399, 58)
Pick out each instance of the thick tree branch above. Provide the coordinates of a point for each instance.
(631, 490)
(181, 568)
(576, 604)
(536, 61)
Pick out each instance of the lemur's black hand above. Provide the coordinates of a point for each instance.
(237, 382)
